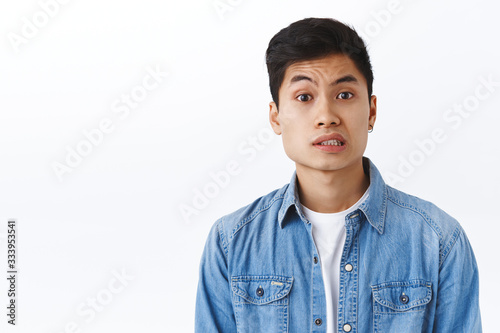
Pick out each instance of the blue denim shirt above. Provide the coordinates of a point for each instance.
(407, 266)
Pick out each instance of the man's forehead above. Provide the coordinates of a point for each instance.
(334, 65)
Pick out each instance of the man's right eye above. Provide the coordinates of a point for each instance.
(304, 97)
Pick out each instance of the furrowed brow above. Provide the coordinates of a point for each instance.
(300, 77)
(346, 78)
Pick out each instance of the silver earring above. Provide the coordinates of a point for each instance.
(370, 130)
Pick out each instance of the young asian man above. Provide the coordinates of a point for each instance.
(336, 249)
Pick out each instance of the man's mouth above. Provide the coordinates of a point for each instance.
(331, 143)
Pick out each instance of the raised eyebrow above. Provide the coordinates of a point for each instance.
(301, 77)
(345, 78)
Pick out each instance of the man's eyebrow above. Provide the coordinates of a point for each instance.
(301, 77)
(345, 78)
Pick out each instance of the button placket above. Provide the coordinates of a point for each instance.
(318, 291)
(347, 310)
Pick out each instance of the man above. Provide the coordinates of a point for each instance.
(336, 249)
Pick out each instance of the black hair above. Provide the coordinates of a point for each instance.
(314, 38)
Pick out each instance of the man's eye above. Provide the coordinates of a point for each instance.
(304, 97)
(344, 95)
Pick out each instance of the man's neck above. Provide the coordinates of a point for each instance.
(331, 191)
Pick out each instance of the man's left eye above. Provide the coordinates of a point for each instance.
(344, 95)
(304, 97)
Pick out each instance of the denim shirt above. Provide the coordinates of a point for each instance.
(406, 266)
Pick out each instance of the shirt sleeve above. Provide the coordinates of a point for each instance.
(214, 310)
(458, 290)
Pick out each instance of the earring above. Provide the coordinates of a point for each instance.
(370, 130)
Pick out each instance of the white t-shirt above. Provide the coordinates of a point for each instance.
(328, 230)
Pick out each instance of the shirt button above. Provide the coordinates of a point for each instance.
(315, 259)
(404, 299)
(260, 292)
(347, 328)
(318, 321)
(348, 267)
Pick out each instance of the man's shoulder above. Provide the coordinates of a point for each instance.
(446, 227)
(269, 203)
(426, 209)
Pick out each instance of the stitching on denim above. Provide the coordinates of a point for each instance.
(356, 280)
(349, 283)
(262, 277)
(285, 316)
(342, 281)
(379, 224)
(394, 307)
(270, 303)
(451, 243)
(427, 219)
(444, 249)
(236, 315)
(382, 218)
(277, 298)
(254, 214)
(397, 284)
(395, 313)
(220, 229)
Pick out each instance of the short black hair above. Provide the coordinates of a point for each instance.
(314, 38)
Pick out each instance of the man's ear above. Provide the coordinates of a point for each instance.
(373, 110)
(274, 118)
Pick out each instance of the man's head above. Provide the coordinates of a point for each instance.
(314, 38)
(321, 76)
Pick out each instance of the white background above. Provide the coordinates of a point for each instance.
(119, 208)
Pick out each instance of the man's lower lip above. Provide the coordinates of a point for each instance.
(331, 148)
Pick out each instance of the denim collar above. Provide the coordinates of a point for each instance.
(374, 208)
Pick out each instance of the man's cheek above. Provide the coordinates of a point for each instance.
(291, 146)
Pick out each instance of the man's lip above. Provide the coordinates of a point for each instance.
(326, 137)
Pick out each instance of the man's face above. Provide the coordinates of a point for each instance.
(324, 113)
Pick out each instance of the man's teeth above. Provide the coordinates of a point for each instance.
(331, 143)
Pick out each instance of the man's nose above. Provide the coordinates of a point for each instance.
(326, 114)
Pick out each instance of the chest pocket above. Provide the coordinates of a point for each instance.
(400, 306)
(261, 303)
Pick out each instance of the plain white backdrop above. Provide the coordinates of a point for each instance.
(116, 116)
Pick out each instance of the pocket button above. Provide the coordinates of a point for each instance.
(260, 292)
(404, 299)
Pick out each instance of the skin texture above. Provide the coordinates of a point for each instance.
(328, 181)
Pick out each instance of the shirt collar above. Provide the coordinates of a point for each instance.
(374, 208)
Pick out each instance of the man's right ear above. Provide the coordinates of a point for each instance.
(274, 118)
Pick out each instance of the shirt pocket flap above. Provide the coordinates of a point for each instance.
(261, 289)
(403, 296)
